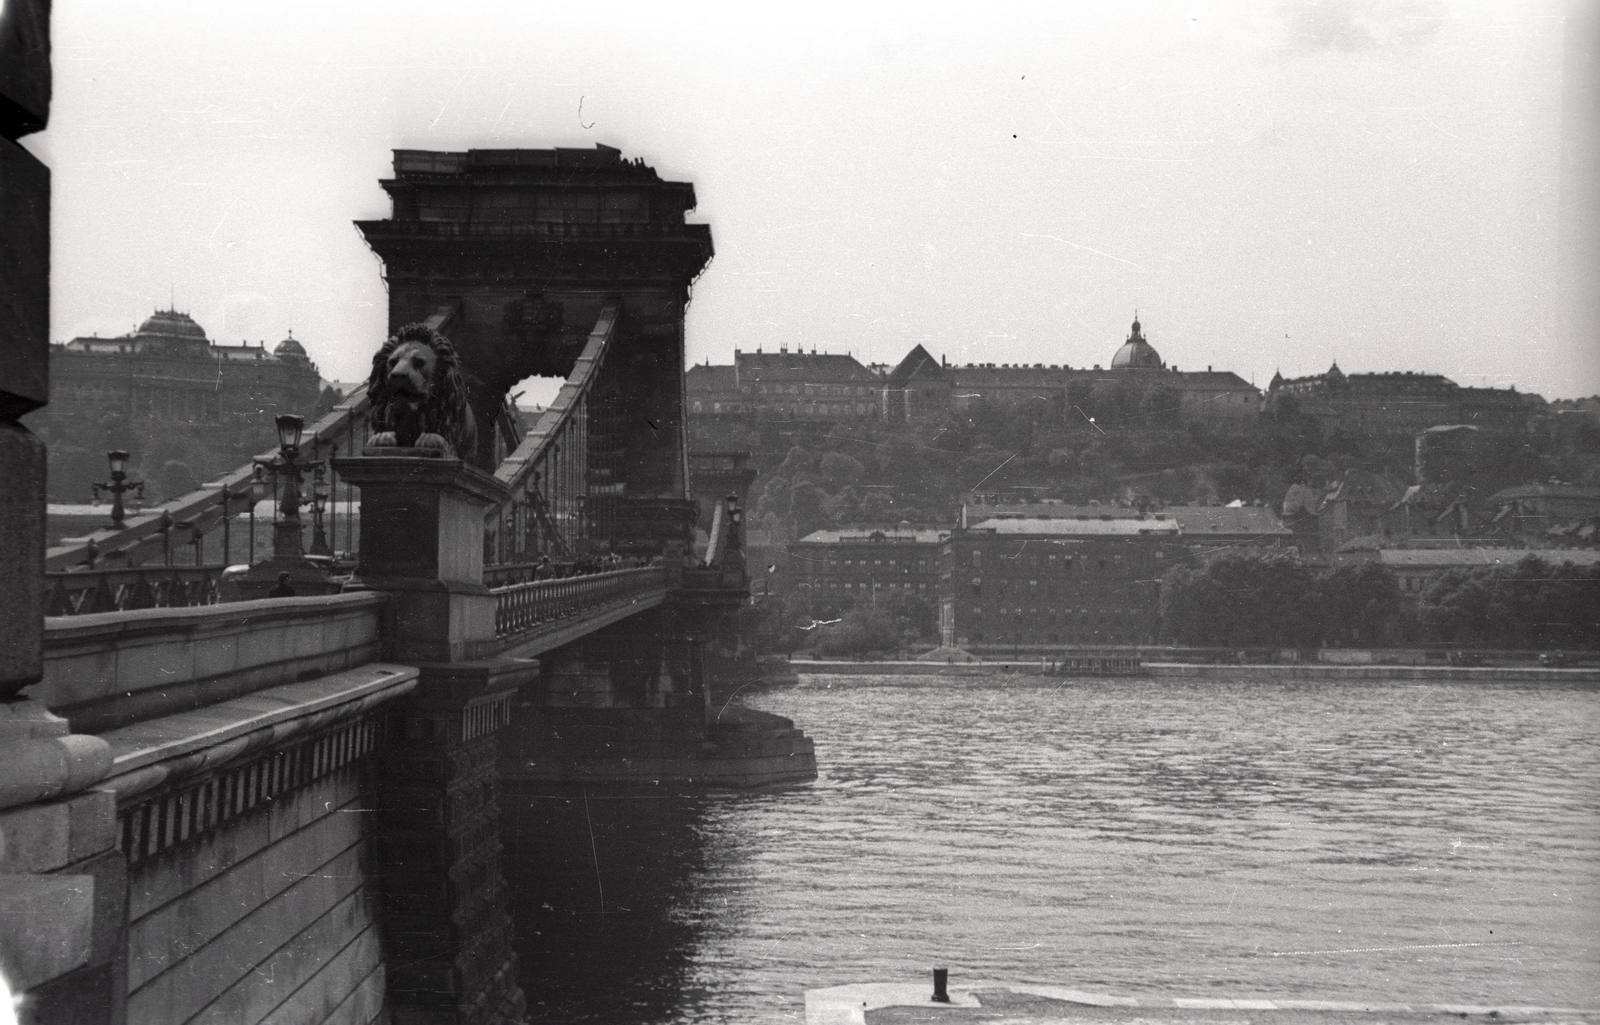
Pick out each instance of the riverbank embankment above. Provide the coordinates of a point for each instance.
(885, 1002)
(1279, 673)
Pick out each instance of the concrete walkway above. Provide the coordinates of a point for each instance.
(1011, 1003)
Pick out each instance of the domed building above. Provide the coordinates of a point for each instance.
(171, 333)
(290, 349)
(1137, 353)
(167, 369)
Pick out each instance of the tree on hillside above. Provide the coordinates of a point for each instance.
(913, 614)
(806, 509)
(863, 629)
(1361, 604)
(1239, 599)
(839, 470)
(1532, 604)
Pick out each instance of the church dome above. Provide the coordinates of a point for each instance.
(172, 324)
(289, 348)
(1136, 353)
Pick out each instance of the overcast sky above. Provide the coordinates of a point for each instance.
(1272, 185)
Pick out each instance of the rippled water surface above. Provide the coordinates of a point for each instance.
(1405, 841)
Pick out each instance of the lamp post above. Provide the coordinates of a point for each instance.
(258, 491)
(287, 542)
(319, 499)
(288, 547)
(166, 525)
(118, 485)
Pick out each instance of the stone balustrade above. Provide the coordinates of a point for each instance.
(521, 608)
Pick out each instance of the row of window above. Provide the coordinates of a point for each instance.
(1058, 563)
(904, 566)
(857, 585)
(812, 389)
(1081, 616)
(1099, 587)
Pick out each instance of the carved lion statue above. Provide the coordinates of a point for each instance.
(418, 397)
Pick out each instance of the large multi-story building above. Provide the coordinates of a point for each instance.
(851, 567)
(1398, 404)
(1031, 582)
(785, 385)
(1138, 383)
(168, 369)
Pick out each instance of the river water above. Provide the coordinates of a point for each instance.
(1434, 842)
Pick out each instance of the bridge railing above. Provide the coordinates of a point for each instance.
(121, 590)
(520, 608)
(147, 532)
(549, 473)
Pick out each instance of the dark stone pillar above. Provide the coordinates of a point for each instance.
(422, 543)
(445, 924)
(64, 894)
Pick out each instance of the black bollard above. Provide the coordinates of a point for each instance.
(941, 976)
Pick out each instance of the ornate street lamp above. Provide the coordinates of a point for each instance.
(118, 484)
(289, 429)
(286, 467)
(288, 550)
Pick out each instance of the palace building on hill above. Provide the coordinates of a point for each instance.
(169, 370)
(1136, 388)
(1399, 403)
(798, 385)
(1151, 390)
(785, 385)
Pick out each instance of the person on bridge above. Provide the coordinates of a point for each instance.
(281, 589)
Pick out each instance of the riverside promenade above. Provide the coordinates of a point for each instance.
(1012, 1003)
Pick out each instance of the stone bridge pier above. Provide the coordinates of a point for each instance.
(624, 703)
(632, 704)
(446, 931)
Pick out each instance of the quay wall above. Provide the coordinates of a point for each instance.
(1287, 673)
(1196, 670)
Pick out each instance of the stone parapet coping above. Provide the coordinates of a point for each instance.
(848, 1005)
(117, 626)
(157, 751)
(108, 671)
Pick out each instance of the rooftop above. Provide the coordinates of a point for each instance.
(916, 362)
(1252, 520)
(1546, 491)
(1054, 527)
(1421, 558)
(900, 535)
(812, 367)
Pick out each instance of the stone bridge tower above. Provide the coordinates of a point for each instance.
(519, 249)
